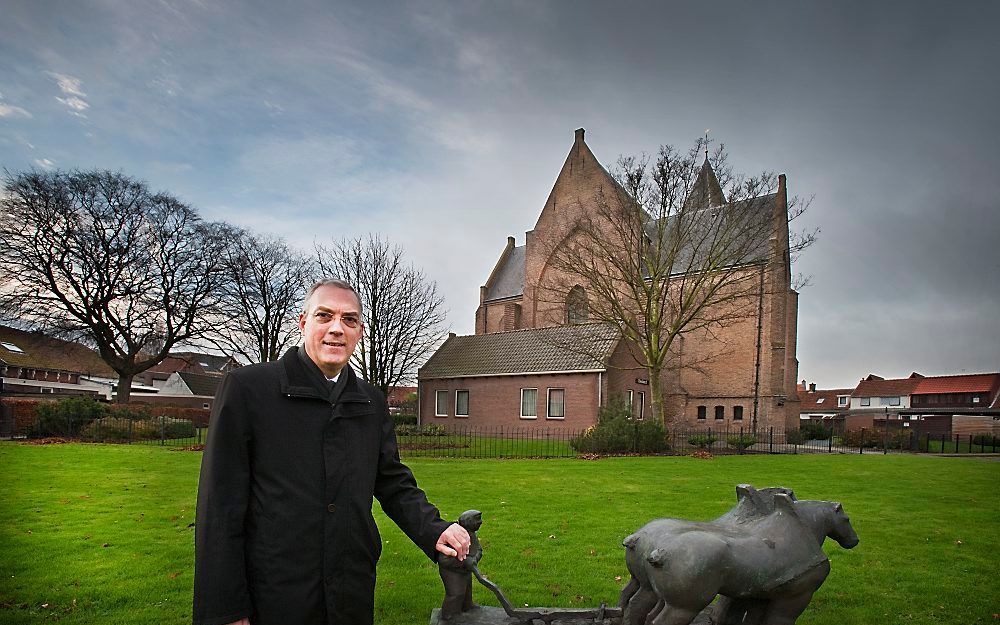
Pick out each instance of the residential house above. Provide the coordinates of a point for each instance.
(192, 362)
(33, 363)
(829, 406)
(522, 367)
(946, 404)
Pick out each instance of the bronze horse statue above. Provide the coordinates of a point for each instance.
(764, 557)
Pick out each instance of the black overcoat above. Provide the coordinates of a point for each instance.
(284, 532)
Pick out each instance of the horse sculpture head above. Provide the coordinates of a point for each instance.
(840, 528)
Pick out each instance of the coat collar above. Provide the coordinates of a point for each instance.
(300, 377)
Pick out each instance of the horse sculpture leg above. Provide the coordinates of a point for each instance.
(639, 606)
(785, 610)
(673, 615)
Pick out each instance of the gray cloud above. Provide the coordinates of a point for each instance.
(443, 126)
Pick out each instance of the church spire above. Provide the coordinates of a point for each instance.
(706, 190)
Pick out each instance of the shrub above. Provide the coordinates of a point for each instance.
(66, 417)
(702, 441)
(431, 429)
(794, 437)
(869, 440)
(124, 429)
(815, 431)
(617, 432)
(986, 440)
(742, 441)
(403, 418)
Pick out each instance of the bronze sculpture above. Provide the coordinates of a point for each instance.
(763, 559)
(457, 575)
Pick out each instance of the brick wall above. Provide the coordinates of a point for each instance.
(496, 401)
(962, 425)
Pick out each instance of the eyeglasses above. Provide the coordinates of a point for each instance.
(349, 320)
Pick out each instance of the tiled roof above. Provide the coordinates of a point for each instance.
(563, 348)
(193, 361)
(823, 400)
(201, 383)
(874, 386)
(509, 281)
(45, 352)
(975, 383)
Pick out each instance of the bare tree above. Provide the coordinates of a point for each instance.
(259, 298)
(673, 247)
(404, 315)
(97, 256)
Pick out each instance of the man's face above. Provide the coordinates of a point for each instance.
(331, 328)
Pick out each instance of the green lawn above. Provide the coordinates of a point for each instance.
(100, 533)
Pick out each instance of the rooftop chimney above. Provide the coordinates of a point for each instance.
(812, 387)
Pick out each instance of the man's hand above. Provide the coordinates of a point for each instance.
(454, 542)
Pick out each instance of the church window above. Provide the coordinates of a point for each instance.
(720, 412)
(577, 307)
(702, 410)
(441, 404)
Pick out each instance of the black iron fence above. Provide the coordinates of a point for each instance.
(534, 442)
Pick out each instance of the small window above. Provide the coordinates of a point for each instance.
(702, 412)
(975, 399)
(11, 347)
(866, 401)
(641, 414)
(889, 401)
(441, 403)
(820, 400)
(529, 403)
(45, 390)
(720, 412)
(205, 406)
(737, 413)
(577, 307)
(841, 400)
(462, 403)
(631, 411)
(557, 404)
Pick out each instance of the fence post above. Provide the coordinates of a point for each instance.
(861, 445)
(163, 431)
(130, 422)
(739, 448)
(829, 447)
(709, 439)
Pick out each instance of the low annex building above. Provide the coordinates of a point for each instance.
(537, 360)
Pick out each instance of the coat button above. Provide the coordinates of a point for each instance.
(331, 508)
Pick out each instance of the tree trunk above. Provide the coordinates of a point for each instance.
(124, 388)
(655, 394)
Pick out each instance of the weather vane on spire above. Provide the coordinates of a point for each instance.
(706, 143)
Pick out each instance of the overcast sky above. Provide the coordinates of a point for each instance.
(442, 126)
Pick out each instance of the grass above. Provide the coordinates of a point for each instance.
(100, 533)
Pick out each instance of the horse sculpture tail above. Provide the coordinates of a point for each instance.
(657, 557)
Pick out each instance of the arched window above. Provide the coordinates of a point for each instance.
(577, 308)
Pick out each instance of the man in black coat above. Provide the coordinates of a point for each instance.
(296, 450)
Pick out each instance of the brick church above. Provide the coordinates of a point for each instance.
(535, 361)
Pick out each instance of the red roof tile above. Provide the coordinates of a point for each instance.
(823, 400)
(976, 383)
(874, 386)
